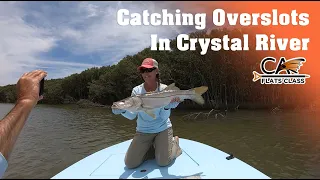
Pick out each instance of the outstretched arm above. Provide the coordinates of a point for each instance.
(12, 124)
(127, 114)
(124, 113)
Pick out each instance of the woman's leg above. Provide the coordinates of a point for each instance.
(138, 149)
(166, 147)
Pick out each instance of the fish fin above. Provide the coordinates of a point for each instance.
(198, 92)
(151, 113)
(171, 87)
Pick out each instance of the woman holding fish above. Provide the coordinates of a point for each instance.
(154, 134)
(152, 102)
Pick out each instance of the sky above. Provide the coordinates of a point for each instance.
(63, 38)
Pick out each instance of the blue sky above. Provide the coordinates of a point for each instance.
(68, 37)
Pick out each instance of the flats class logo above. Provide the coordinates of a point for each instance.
(286, 72)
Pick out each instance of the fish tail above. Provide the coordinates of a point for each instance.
(198, 94)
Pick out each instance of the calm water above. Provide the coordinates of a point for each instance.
(284, 145)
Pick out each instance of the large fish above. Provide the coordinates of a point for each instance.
(149, 101)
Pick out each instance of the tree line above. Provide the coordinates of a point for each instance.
(228, 74)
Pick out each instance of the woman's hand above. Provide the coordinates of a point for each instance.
(176, 99)
(117, 111)
(173, 104)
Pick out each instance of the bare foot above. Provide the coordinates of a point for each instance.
(179, 151)
(176, 138)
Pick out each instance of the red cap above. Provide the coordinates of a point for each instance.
(149, 63)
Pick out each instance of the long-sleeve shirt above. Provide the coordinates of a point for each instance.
(145, 123)
(3, 165)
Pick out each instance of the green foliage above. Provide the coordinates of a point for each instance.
(8, 94)
(228, 75)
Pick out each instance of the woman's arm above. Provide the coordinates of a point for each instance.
(165, 112)
(127, 114)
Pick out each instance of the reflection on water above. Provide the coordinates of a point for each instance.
(285, 145)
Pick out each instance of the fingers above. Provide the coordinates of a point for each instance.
(176, 99)
(36, 74)
(40, 76)
(24, 74)
(30, 74)
(173, 100)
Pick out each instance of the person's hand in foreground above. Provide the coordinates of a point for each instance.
(28, 88)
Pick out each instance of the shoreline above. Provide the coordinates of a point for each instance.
(86, 104)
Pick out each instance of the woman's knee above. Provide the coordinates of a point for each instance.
(163, 161)
(131, 163)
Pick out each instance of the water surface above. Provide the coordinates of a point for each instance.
(284, 145)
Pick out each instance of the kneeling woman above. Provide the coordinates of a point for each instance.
(154, 137)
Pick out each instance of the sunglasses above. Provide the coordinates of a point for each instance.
(143, 70)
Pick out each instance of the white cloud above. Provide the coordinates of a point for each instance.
(31, 29)
(21, 45)
(103, 34)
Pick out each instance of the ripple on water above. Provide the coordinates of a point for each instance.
(281, 146)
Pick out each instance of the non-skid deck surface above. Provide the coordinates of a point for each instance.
(197, 161)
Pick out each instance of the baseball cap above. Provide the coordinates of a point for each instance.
(149, 63)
